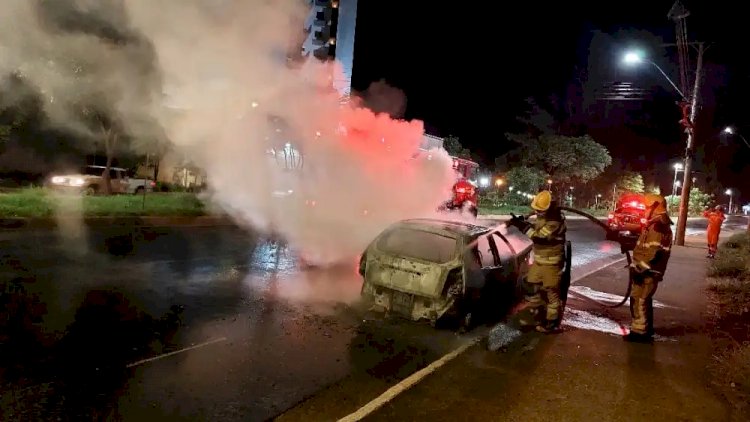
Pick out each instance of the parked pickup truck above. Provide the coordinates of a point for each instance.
(90, 181)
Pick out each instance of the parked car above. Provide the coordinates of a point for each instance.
(90, 181)
(434, 270)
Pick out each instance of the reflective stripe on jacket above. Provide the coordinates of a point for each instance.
(654, 244)
(548, 236)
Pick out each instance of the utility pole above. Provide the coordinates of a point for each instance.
(687, 181)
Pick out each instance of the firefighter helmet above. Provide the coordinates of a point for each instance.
(542, 201)
(656, 203)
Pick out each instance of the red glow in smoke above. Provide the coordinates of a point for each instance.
(379, 142)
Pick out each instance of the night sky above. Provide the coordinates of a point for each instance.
(468, 71)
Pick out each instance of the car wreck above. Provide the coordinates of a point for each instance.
(428, 269)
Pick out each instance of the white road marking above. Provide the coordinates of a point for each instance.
(405, 384)
(151, 359)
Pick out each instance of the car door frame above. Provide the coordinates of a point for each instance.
(519, 263)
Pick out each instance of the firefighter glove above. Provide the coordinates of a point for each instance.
(640, 267)
(519, 222)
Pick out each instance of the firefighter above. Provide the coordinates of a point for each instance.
(715, 219)
(650, 258)
(547, 233)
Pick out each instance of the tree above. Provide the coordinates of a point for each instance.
(698, 202)
(653, 188)
(524, 179)
(631, 181)
(108, 132)
(453, 145)
(566, 159)
(97, 78)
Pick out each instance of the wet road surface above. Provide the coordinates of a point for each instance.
(196, 324)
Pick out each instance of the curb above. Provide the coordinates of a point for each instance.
(144, 221)
(568, 216)
(506, 217)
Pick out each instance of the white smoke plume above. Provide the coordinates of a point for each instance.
(213, 75)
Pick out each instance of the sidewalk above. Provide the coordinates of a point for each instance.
(568, 216)
(589, 373)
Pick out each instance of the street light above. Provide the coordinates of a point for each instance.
(677, 168)
(499, 182)
(729, 192)
(688, 121)
(549, 184)
(729, 130)
(635, 58)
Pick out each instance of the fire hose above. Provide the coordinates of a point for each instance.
(623, 249)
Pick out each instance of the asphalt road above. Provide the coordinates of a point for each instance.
(197, 324)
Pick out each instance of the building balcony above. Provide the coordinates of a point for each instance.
(312, 43)
(313, 17)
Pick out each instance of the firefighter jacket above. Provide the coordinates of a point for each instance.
(548, 235)
(652, 250)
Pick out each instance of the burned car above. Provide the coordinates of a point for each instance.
(434, 270)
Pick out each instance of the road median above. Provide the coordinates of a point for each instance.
(109, 221)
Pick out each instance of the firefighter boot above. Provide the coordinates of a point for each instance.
(647, 337)
(529, 317)
(548, 327)
(638, 338)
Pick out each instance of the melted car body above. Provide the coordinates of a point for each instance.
(428, 269)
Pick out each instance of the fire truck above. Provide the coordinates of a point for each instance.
(465, 194)
(627, 220)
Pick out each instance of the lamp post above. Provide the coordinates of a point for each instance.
(571, 196)
(675, 183)
(730, 131)
(549, 185)
(677, 169)
(633, 58)
(729, 192)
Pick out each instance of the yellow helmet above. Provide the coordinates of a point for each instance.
(655, 202)
(541, 201)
